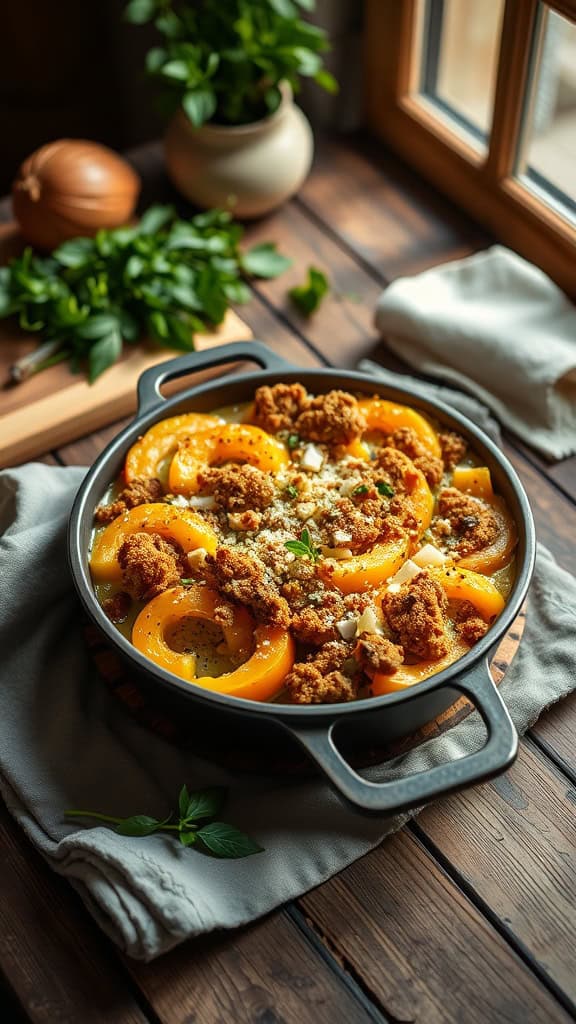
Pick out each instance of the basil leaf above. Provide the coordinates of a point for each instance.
(99, 325)
(140, 11)
(183, 799)
(138, 825)
(237, 291)
(308, 62)
(75, 253)
(264, 260)
(129, 326)
(296, 547)
(177, 69)
(285, 8)
(155, 58)
(154, 219)
(327, 81)
(180, 336)
(226, 841)
(307, 297)
(199, 106)
(206, 803)
(103, 354)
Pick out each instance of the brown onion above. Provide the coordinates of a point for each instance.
(72, 187)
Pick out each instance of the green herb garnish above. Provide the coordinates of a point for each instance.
(361, 489)
(292, 491)
(293, 441)
(186, 581)
(164, 277)
(195, 824)
(303, 547)
(385, 489)
(307, 297)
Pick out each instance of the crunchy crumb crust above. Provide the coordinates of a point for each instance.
(141, 491)
(344, 503)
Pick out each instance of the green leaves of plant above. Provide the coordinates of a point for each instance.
(308, 297)
(225, 61)
(199, 105)
(140, 11)
(75, 253)
(138, 825)
(195, 825)
(265, 261)
(103, 354)
(206, 803)
(164, 277)
(226, 841)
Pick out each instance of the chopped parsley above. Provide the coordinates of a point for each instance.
(292, 491)
(385, 489)
(293, 441)
(361, 489)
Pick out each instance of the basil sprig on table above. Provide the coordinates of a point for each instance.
(308, 297)
(195, 824)
(164, 278)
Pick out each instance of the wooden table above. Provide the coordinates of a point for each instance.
(467, 914)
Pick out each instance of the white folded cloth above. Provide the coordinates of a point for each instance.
(498, 327)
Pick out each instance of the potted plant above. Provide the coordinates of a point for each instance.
(229, 70)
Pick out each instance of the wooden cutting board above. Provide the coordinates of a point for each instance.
(57, 406)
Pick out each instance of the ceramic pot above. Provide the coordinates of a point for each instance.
(248, 169)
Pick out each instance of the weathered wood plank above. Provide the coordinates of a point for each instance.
(420, 946)
(513, 841)
(410, 226)
(557, 729)
(266, 973)
(58, 965)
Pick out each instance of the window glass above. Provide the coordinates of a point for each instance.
(460, 43)
(547, 162)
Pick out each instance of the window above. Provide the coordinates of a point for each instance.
(480, 96)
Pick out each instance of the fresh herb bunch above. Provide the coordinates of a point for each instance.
(224, 60)
(163, 278)
(195, 824)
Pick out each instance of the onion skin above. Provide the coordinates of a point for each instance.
(72, 188)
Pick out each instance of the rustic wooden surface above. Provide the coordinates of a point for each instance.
(467, 914)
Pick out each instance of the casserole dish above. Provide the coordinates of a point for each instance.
(322, 730)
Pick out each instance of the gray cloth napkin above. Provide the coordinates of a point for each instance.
(498, 327)
(66, 742)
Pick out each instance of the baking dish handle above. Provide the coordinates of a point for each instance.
(150, 382)
(395, 795)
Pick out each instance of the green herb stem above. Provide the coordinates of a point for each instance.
(39, 359)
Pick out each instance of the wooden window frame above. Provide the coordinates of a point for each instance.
(483, 183)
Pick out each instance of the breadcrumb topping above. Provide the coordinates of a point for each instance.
(150, 564)
(283, 537)
(416, 617)
(141, 491)
(471, 519)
